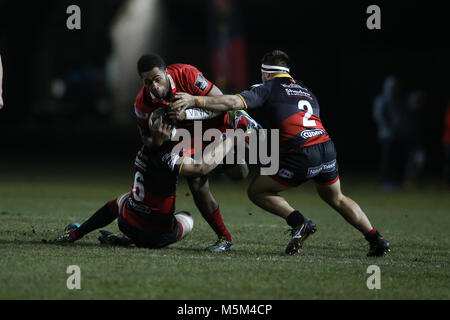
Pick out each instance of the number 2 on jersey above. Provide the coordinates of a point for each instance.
(305, 105)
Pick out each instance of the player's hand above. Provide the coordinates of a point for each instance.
(161, 132)
(182, 100)
(177, 114)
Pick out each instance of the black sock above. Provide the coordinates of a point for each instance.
(295, 218)
(101, 218)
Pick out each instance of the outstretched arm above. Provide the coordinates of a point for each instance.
(211, 158)
(184, 113)
(185, 101)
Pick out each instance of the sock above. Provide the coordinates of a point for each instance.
(295, 218)
(101, 218)
(372, 235)
(216, 223)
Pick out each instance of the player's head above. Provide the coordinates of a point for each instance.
(273, 63)
(153, 72)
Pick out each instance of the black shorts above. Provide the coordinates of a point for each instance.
(316, 162)
(152, 240)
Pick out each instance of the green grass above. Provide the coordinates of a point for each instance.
(38, 203)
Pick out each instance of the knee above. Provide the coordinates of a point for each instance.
(334, 199)
(338, 200)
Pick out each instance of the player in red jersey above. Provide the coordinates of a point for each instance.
(160, 84)
(306, 150)
(146, 214)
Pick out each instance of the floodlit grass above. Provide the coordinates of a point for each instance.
(38, 204)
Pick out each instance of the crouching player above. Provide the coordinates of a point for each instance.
(146, 214)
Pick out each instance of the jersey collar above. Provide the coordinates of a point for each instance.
(282, 75)
(172, 83)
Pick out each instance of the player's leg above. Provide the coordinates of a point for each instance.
(101, 218)
(264, 192)
(353, 214)
(183, 224)
(210, 211)
(346, 207)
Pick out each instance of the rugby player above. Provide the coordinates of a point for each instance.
(306, 150)
(146, 214)
(160, 84)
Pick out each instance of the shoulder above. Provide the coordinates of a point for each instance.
(183, 73)
(139, 97)
(143, 106)
(181, 68)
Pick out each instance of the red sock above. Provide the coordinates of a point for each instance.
(371, 235)
(216, 223)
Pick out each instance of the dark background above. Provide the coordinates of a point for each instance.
(331, 50)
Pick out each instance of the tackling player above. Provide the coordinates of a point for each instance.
(146, 214)
(306, 150)
(160, 84)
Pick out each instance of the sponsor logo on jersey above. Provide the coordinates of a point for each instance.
(309, 133)
(297, 92)
(284, 173)
(293, 86)
(201, 82)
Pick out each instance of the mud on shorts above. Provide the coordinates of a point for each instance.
(316, 162)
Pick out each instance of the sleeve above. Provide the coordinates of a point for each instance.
(173, 162)
(201, 114)
(196, 82)
(256, 96)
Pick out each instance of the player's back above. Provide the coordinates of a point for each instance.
(151, 204)
(293, 109)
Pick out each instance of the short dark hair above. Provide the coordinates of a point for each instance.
(149, 61)
(276, 58)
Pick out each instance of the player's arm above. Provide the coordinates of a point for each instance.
(249, 99)
(211, 159)
(183, 113)
(157, 133)
(1, 83)
(214, 103)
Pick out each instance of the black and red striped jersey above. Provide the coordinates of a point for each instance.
(291, 107)
(151, 204)
(156, 177)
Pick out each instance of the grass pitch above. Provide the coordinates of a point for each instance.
(38, 203)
